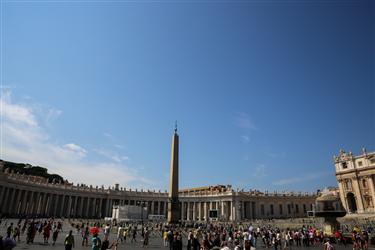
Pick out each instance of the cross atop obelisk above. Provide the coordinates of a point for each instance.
(173, 203)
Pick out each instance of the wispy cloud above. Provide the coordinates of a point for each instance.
(25, 139)
(112, 155)
(299, 179)
(245, 139)
(52, 114)
(260, 171)
(119, 146)
(244, 121)
(76, 148)
(108, 135)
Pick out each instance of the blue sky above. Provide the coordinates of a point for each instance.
(265, 92)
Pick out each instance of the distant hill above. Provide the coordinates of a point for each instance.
(28, 169)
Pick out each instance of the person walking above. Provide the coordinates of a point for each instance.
(69, 241)
(55, 233)
(85, 236)
(134, 234)
(96, 242)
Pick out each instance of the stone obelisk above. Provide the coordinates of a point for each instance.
(173, 203)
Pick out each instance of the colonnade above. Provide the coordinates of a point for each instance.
(17, 201)
(154, 207)
(199, 210)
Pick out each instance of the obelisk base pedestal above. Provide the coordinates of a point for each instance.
(173, 212)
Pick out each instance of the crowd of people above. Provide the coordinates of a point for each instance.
(208, 236)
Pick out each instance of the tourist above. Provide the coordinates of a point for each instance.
(9, 230)
(125, 233)
(55, 234)
(364, 240)
(190, 240)
(16, 233)
(134, 233)
(177, 242)
(120, 233)
(196, 245)
(170, 239)
(105, 244)
(69, 241)
(146, 237)
(46, 232)
(328, 245)
(85, 236)
(96, 242)
(236, 243)
(107, 231)
(165, 238)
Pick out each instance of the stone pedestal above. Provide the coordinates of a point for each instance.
(173, 211)
(330, 225)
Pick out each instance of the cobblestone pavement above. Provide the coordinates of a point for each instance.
(155, 242)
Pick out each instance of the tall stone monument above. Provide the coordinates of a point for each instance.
(173, 203)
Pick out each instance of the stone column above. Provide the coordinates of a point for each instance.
(232, 211)
(4, 202)
(31, 203)
(152, 207)
(184, 211)
(99, 214)
(2, 192)
(194, 211)
(110, 207)
(14, 208)
(39, 206)
(370, 182)
(24, 202)
(358, 194)
(39, 199)
(243, 210)
(49, 206)
(98, 208)
(75, 207)
(188, 211)
(200, 211)
(9, 200)
(221, 210)
(62, 212)
(342, 195)
(205, 210)
(79, 206)
(45, 204)
(89, 207)
(69, 206)
(107, 208)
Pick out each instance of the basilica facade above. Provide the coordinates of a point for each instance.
(355, 177)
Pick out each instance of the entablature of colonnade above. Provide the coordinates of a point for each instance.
(113, 194)
(275, 195)
(27, 182)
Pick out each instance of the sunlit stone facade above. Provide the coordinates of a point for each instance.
(355, 177)
(29, 195)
